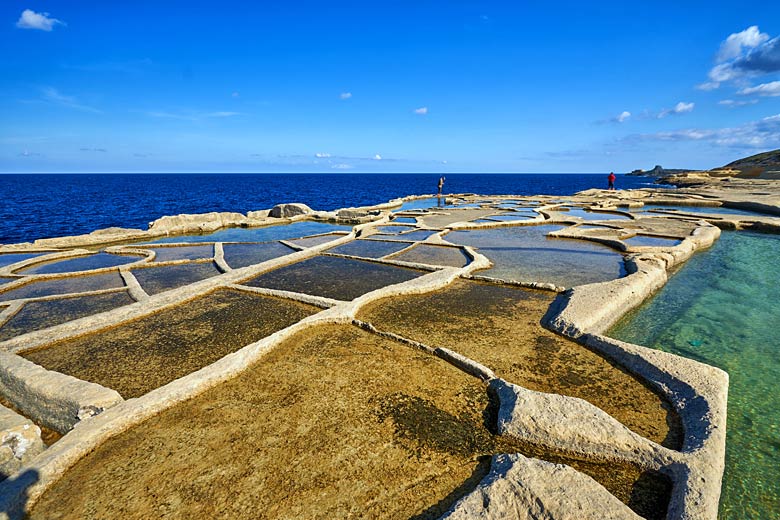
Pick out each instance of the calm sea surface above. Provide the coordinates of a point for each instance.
(40, 205)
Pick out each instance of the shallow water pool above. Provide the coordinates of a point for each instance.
(723, 308)
(260, 234)
(526, 254)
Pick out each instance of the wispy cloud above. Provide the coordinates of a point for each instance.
(345, 95)
(190, 115)
(29, 19)
(421, 111)
(235, 95)
(342, 166)
(680, 108)
(377, 157)
(765, 89)
(322, 155)
(731, 103)
(27, 153)
(101, 150)
(53, 96)
(764, 133)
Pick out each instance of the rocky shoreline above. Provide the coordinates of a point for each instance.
(89, 415)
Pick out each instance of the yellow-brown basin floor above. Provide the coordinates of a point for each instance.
(499, 326)
(141, 355)
(333, 423)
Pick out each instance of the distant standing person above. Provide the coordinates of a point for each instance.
(441, 184)
(611, 180)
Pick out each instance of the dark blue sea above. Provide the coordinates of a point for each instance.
(51, 205)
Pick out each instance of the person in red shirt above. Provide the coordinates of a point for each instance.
(611, 180)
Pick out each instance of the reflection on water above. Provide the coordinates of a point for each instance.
(81, 263)
(333, 277)
(722, 308)
(12, 258)
(592, 215)
(526, 254)
(645, 240)
(261, 234)
(718, 210)
(419, 204)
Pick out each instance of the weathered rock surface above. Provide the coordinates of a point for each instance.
(521, 488)
(290, 210)
(20, 441)
(202, 222)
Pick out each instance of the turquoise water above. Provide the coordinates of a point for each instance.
(723, 308)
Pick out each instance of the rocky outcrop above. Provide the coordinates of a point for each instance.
(290, 210)
(525, 489)
(200, 223)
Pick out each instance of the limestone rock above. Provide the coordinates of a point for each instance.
(203, 222)
(290, 210)
(529, 489)
(352, 213)
(20, 441)
(263, 213)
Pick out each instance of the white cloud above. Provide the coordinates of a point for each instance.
(765, 89)
(421, 111)
(55, 97)
(731, 103)
(708, 85)
(749, 53)
(623, 117)
(41, 21)
(345, 95)
(737, 42)
(679, 108)
(377, 157)
(321, 155)
(235, 94)
(342, 166)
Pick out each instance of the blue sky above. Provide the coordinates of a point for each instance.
(422, 86)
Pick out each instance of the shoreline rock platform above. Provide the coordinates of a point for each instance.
(529, 455)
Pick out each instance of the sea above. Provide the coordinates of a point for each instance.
(36, 206)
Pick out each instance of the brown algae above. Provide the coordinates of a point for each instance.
(498, 326)
(136, 357)
(38, 315)
(334, 422)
